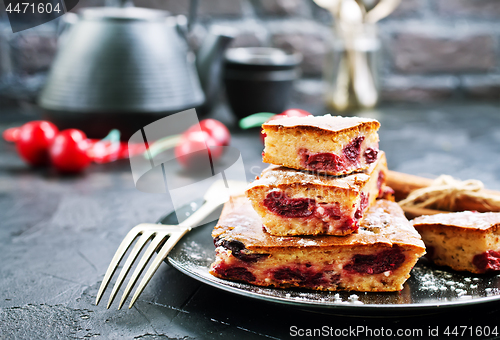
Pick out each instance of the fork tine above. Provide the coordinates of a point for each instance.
(120, 252)
(139, 245)
(162, 254)
(153, 246)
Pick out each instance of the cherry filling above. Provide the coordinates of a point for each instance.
(305, 276)
(322, 161)
(279, 203)
(352, 150)
(390, 259)
(238, 250)
(234, 273)
(363, 204)
(332, 211)
(349, 224)
(489, 260)
(338, 163)
(380, 183)
(387, 194)
(370, 155)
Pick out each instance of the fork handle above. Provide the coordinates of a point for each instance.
(199, 215)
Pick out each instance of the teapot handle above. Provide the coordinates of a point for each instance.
(185, 25)
(179, 22)
(193, 10)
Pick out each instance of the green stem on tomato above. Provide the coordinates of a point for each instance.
(161, 145)
(255, 120)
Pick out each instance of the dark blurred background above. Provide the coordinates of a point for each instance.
(432, 50)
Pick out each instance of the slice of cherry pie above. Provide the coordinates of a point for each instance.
(327, 144)
(293, 202)
(378, 258)
(464, 241)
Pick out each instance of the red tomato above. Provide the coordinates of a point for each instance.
(215, 129)
(286, 113)
(33, 141)
(192, 147)
(68, 153)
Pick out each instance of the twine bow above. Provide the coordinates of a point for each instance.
(444, 191)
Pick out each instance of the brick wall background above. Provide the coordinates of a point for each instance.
(431, 49)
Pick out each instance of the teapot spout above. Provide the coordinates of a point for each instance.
(209, 62)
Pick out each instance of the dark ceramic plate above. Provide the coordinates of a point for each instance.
(429, 289)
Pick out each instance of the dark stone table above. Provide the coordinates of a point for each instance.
(58, 234)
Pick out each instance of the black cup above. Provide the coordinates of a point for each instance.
(259, 79)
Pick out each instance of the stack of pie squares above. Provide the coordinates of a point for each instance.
(320, 216)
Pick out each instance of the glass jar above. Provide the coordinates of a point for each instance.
(351, 69)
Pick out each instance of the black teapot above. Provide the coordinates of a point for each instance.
(124, 67)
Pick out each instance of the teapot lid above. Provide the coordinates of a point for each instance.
(123, 13)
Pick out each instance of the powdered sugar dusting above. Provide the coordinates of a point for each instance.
(441, 284)
(274, 176)
(382, 222)
(465, 219)
(326, 122)
(307, 242)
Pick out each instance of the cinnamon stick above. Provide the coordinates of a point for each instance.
(412, 212)
(403, 184)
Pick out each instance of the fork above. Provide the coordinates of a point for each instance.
(162, 239)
